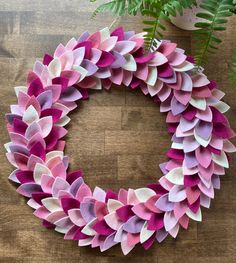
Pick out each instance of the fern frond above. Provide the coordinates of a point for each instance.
(215, 14)
(158, 11)
(233, 69)
(116, 7)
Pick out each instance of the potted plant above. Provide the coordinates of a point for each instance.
(207, 17)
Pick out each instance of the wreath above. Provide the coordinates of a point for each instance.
(196, 160)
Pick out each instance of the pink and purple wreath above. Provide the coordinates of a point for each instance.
(196, 160)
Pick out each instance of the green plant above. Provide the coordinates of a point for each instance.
(155, 10)
(214, 14)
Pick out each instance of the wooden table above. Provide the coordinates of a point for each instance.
(118, 138)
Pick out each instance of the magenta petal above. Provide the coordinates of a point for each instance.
(21, 161)
(38, 150)
(19, 126)
(195, 206)
(68, 203)
(125, 212)
(55, 113)
(191, 180)
(105, 60)
(35, 88)
(156, 222)
(71, 177)
(79, 235)
(38, 196)
(111, 195)
(189, 113)
(217, 116)
(102, 228)
(47, 59)
(175, 154)
(165, 71)
(144, 59)
(25, 176)
(87, 45)
(147, 244)
(118, 32)
(63, 81)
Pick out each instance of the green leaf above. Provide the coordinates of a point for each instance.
(214, 14)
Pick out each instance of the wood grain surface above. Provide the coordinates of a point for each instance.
(117, 138)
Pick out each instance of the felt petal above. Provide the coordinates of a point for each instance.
(177, 193)
(105, 60)
(145, 234)
(200, 80)
(130, 64)
(76, 217)
(83, 192)
(221, 159)
(158, 59)
(52, 204)
(143, 194)
(141, 211)
(169, 220)
(187, 83)
(30, 115)
(119, 60)
(195, 216)
(176, 176)
(78, 55)
(133, 225)
(108, 44)
(124, 47)
(54, 67)
(198, 103)
(45, 125)
(152, 76)
(72, 75)
(164, 204)
(185, 66)
(113, 221)
(113, 205)
(39, 170)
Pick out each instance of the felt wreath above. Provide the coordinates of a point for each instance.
(195, 116)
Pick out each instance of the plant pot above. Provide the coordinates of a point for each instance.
(188, 19)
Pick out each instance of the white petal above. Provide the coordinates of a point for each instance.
(196, 217)
(52, 204)
(30, 115)
(39, 170)
(54, 67)
(221, 160)
(87, 230)
(145, 234)
(152, 76)
(175, 176)
(143, 194)
(113, 205)
(130, 64)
